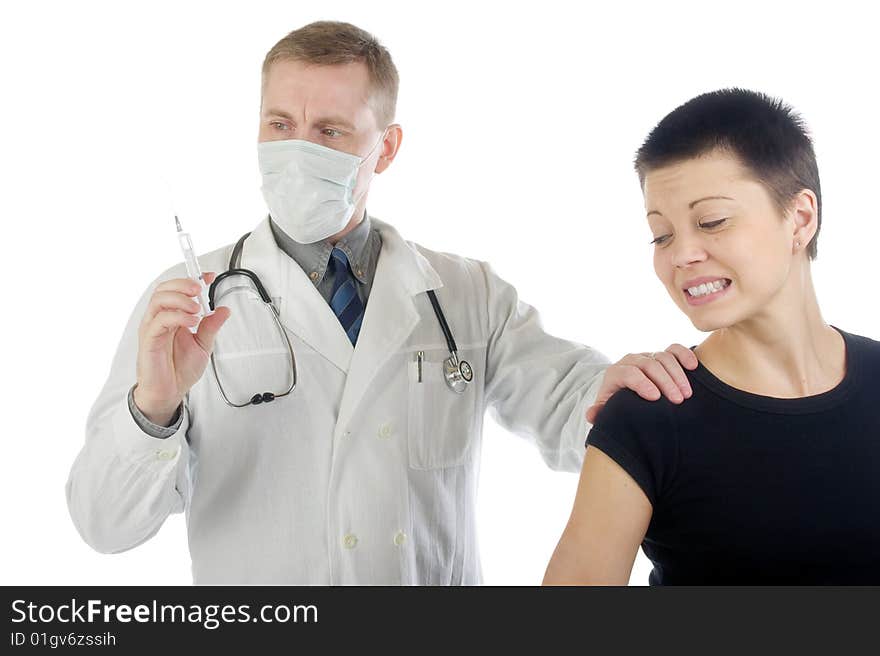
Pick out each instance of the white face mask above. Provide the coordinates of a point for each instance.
(309, 188)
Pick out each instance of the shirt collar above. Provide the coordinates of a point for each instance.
(314, 258)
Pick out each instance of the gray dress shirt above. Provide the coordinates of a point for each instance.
(361, 247)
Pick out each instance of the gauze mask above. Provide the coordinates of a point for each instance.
(309, 188)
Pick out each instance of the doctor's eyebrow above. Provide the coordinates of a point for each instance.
(336, 121)
(278, 112)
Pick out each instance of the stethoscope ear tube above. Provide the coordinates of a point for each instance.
(234, 270)
(234, 264)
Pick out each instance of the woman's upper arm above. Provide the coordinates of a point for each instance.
(608, 523)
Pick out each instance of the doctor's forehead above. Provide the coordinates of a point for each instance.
(295, 87)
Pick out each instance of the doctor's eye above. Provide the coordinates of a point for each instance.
(278, 125)
(662, 239)
(333, 133)
(712, 224)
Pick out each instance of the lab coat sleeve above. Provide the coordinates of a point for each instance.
(125, 482)
(537, 386)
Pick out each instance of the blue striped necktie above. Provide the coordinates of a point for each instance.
(344, 301)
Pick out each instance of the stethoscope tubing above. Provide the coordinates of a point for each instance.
(441, 318)
(460, 366)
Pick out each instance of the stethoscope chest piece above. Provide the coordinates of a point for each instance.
(458, 373)
(466, 372)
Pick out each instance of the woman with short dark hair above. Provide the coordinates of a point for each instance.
(770, 472)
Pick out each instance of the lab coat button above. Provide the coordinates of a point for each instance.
(347, 434)
(350, 541)
(385, 431)
(400, 538)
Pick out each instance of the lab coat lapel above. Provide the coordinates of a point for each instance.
(304, 312)
(401, 273)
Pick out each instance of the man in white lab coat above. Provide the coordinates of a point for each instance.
(366, 472)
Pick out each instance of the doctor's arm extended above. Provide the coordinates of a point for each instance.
(549, 389)
(125, 482)
(608, 523)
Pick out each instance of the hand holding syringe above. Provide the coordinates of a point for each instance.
(194, 271)
(171, 360)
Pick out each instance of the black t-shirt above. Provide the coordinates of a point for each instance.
(750, 489)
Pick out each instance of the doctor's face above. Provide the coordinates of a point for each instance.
(330, 106)
(721, 247)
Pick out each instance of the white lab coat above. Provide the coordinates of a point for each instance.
(363, 474)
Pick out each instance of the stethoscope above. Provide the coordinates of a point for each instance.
(456, 371)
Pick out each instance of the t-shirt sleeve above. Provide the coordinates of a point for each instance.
(639, 436)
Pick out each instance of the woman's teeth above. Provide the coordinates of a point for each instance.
(708, 288)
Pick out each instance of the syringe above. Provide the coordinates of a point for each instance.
(194, 272)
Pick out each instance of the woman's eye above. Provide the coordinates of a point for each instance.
(712, 224)
(278, 125)
(660, 240)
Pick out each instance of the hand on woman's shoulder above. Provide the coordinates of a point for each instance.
(628, 409)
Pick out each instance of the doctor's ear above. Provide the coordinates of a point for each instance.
(390, 146)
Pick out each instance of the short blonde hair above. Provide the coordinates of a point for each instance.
(330, 42)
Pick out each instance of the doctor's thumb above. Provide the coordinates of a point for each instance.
(210, 326)
(593, 412)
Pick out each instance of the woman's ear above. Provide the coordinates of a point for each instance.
(805, 213)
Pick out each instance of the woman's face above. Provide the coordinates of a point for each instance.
(721, 247)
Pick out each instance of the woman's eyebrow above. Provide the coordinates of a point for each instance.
(700, 200)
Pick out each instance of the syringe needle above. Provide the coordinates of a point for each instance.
(177, 221)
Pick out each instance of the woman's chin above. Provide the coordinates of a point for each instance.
(708, 324)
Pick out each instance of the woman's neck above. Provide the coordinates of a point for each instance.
(785, 351)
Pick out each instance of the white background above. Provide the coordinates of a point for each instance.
(520, 125)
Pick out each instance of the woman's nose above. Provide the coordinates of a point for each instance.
(687, 250)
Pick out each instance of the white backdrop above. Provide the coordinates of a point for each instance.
(519, 130)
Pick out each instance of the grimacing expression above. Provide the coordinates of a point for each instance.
(722, 247)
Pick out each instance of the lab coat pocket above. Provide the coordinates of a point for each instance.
(441, 423)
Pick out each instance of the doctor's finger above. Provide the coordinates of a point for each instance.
(628, 376)
(654, 369)
(167, 300)
(674, 369)
(186, 286)
(166, 321)
(684, 355)
(593, 412)
(210, 326)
